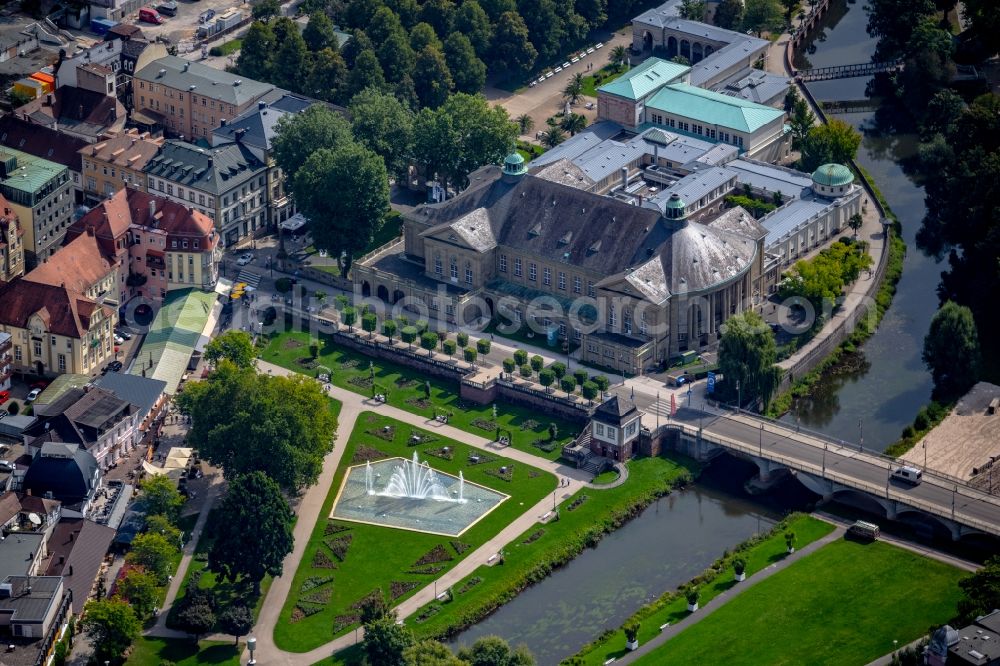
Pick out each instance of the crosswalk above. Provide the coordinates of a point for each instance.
(251, 279)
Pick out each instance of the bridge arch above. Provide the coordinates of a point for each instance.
(865, 502)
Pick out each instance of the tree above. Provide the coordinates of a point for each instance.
(328, 76)
(546, 26)
(483, 346)
(602, 383)
(389, 328)
(140, 589)
(463, 339)
(520, 356)
(495, 651)
(944, 110)
(893, 22)
(319, 33)
(951, 350)
(236, 620)
(546, 377)
(580, 375)
(349, 316)
(836, 141)
(408, 334)
(160, 524)
(512, 52)
(573, 123)
(854, 222)
(553, 136)
(508, 366)
(153, 552)
(619, 56)
(432, 78)
(985, 18)
(980, 592)
(471, 20)
(428, 342)
(763, 16)
(366, 73)
(161, 497)
(264, 10)
(729, 14)
(525, 123)
(256, 52)
(385, 23)
(589, 390)
(345, 192)
(525, 371)
(355, 46)
(747, 353)
(369, 322)
(13, 408)
(245, 422)
(789, 6)
(396, 56)
(822, 278)
(197, 619)
(574, 89)
(449, 347)
(468, 71)
(537, 363)
(430, 653)
(299, 135)
(567, 384)
(385, 641)
(112, 625)
(253, 505)
(439, 14)
(693, 10)
(471, 355)
(423, 35)
(292, 64)
(234, 346)
(801, 120)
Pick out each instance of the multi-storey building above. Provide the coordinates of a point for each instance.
(46, 143)
(40, 193)
(227, 183)
(190, 99)
(6, 361)
(123, 54)
(116, 163)
(11, 245)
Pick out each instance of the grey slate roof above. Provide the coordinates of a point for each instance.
(140, 391)
(31, 598)
(772, 178)
(18, 551)
(259, 123)
(738, 220)
(77, 547)
(693, 186)
(213, 83)
(614, 410)
(69, 478)
(658, 16)
(755, 86)
(188, 164)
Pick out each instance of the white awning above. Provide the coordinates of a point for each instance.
(294, 223)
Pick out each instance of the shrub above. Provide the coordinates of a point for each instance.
(462, 339)
(483, 346)
(428, 341)
(509, 365)
(389, 328)
(580, 375)
(921, 422)
(470, 355)
(408, 334)
(908, 432)
(739, 565)
(537, 363)
(546, 377)
(559, 369)
(520, 356)
(369, 322)
(692, 595)
(526, 371)
(631, 631)
(13, 409)
(567, 384)
(349, 316)
(589, 390)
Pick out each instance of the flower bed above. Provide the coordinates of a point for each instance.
(436, 554)
(577, 502)
(533, 537)
(313, 582)
(363, 454)
(460, 547)
(444, 452)
(469, 584)
(427, 571)
(322, 561)
(398, 588)
(483, 424)
(339, 546)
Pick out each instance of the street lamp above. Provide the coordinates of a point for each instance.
(824, 461)
(760, 442)
(861, 431)
(251, 646)
(954, 492)
(739, 396)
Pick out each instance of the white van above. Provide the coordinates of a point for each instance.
(907, 474)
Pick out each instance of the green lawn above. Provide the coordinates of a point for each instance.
(672, 606)
(406, 391)
(844, 604)
(607, 74)
(227, 48)
(377, 556)
(532, 555)
(182, 652)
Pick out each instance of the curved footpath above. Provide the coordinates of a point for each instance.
(311, 504)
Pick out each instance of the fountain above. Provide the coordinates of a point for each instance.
(415, 497)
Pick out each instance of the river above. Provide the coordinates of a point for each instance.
(880, 397)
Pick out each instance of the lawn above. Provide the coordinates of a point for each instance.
(182, 652)
(844, 604)
(583, 519)
(672, 606)
(226, 48)
(607, 74)
(406, 391)
(344, 561)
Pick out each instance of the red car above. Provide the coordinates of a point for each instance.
(4, 396)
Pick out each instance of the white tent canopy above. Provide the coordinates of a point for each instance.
(294, 223)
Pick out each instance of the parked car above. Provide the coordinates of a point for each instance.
(244, 260)
(123, 333)
(4, 396)
(115, 366)
(206, 16)
(168, 8)
(150, 15)
(40, 385)
(907, 474)
(34, 394)
(119, 340)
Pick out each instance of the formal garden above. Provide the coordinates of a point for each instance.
(346, 562)
(830, 607)
(415, 392)
(183, 652)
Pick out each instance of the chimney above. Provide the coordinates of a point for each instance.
(239, 134)
(224, 122)
(656, 154)
(187, 65)
(152, 209)
(624, 177)
(210, 162)
(71, 570)
(261, 106)
(49, 99)
(90, 231)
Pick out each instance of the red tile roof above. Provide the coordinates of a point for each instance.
(64, 312)
(78, 265)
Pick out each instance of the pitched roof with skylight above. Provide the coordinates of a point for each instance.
(645, 79)
(713, 108)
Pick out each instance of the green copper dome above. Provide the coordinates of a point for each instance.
(833, 175)
(514, 165)
(675, 202)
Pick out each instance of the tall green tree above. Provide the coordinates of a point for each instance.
(345, 192)
(423, 35)
(254, 505)
(439, 14)
(236, 620)
(513, 53)
(729, 14)
(257, 52)
(160, 497)
(328, 77)
(747, 355)
(693, 10)
(111, 625)
(385, 126)
(893, 22)
(573, 123)
(951, 350)
(265, 10)
(495, 651)
(471, 20)
(497, 8)
(468, 71)
(546, 27)
(299, 135)
(319, 34)
(355, 46)
(985, 18)
(762, 16)
(408, 11)
(234, 346)
(140, 589)
(366, 73)
(360, 13)
(153, 552)
(980, 592)
(927, 65)
(553, 136)
(396, 56)
(594, 11)
(245, 422)
(619, 56)
(574, 89)
(801, 120)
(432, 78)
(384, 24)
(836, 142)
(292, 63)
(430, 653)
(385, 641)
